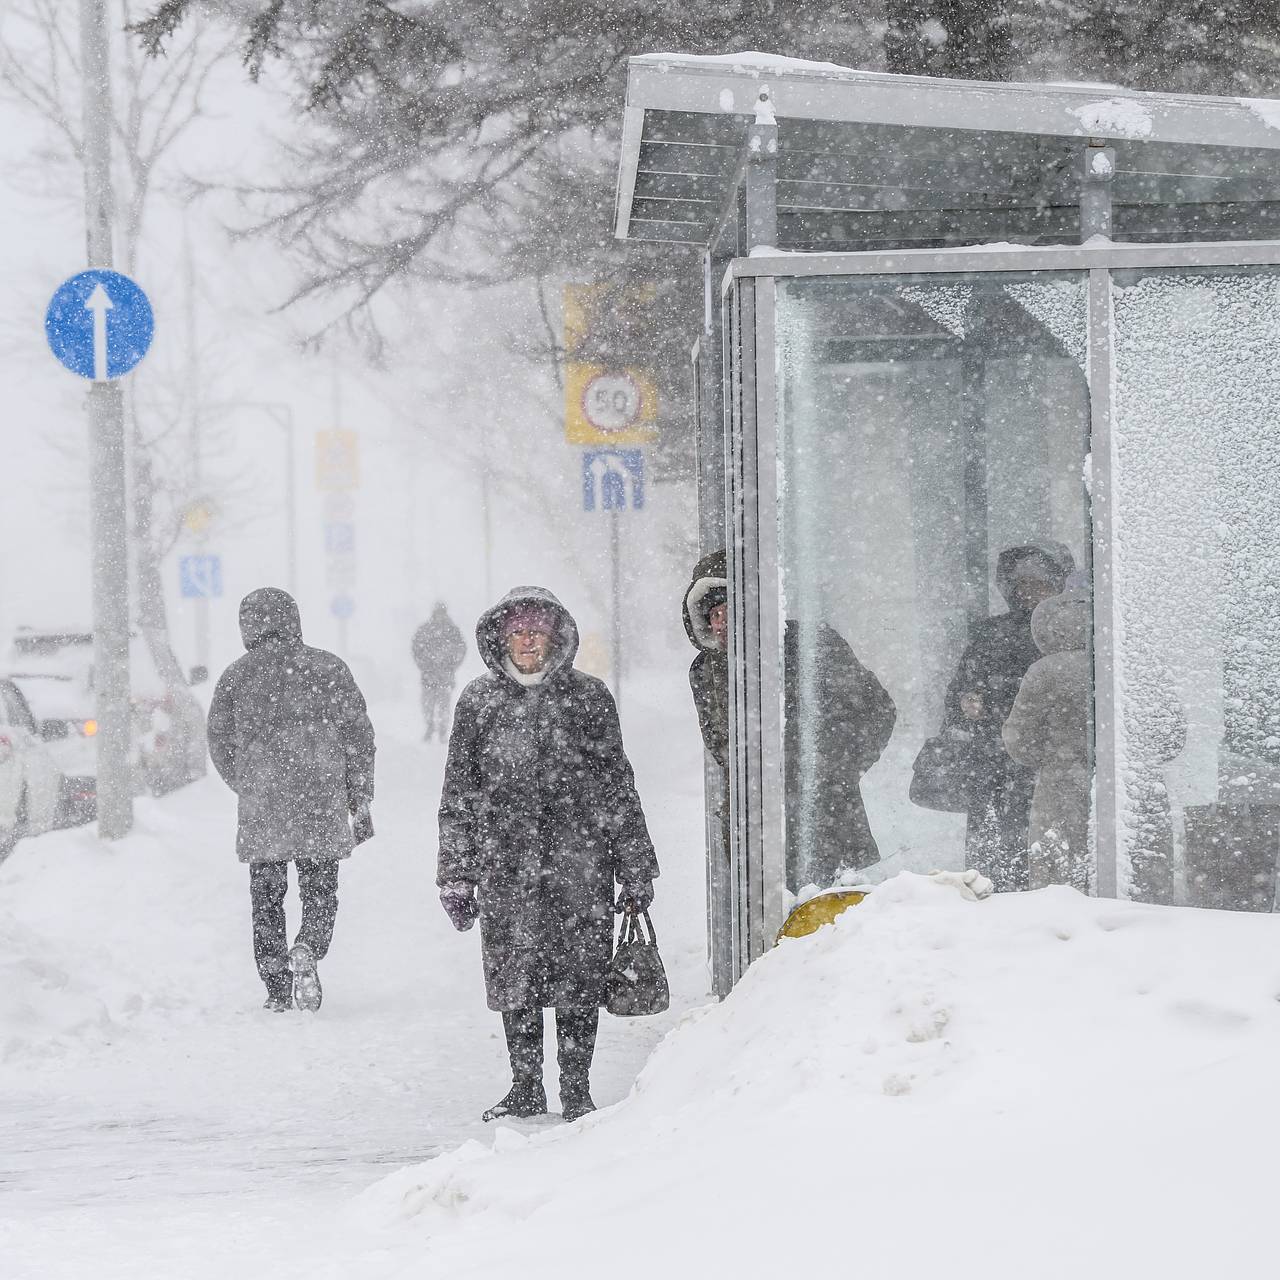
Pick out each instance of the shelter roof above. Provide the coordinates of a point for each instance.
(873, 160)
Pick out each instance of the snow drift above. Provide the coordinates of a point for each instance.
(1040, 1084)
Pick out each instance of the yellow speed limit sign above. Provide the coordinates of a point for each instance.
(609, 406)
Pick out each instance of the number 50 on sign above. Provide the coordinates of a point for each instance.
(609, 406)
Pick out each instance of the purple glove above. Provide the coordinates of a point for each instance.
(459, 901)
(635, 898)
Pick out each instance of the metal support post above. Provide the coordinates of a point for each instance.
(761, 177)
(1095, 190)
(106, 459)
(615, 556)
(1096, 220)
(1107, 710)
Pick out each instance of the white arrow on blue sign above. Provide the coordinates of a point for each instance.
(612, 479)
(99, 324)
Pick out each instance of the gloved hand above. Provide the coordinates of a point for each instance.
(362, 823)
(459, 901)
(972, 884)
(635, 898)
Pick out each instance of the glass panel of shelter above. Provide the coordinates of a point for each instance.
(933, 440)
(1196, 419)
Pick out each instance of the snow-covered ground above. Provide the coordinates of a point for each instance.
(156, 1122)
(1037, 1085)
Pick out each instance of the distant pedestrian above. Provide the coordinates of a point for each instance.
(289, 733)
(438, 651)
(539, 817)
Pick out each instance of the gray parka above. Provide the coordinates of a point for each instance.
(289, 733)
(1048, 731)
(539, 810)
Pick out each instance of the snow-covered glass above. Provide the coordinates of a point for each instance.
(927, 424)
(1197, 482)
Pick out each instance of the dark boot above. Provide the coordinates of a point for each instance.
(524, 1099)
(575, 1047)
(278, 1002)
(527, 1096)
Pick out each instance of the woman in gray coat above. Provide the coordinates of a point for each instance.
(1048, 731)
(539, 817)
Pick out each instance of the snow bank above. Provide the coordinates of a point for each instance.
(1041, 1084)
(96, 938)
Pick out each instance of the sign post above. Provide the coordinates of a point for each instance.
(337, 477)
(99, 324)
(610, 407)
(612, 481)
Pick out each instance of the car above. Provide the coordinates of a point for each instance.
(54, 667)
(57, 706)
(33, 796)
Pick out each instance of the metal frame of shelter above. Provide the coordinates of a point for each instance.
(776, 169)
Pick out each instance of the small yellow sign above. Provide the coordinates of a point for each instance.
(604, 405)
(609, 398)
(337, 461)
(197, 518)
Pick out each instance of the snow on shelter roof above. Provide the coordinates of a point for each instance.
(871, 160)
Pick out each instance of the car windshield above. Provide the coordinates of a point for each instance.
(53, 697)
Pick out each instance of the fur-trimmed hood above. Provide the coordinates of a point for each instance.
(710, 573)
(489, 631)
(1055, 564)
(1061, 623)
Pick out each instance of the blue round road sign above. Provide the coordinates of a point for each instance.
(342, 607)
(99, 324)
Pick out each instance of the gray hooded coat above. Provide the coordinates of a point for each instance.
(539, 810)
(1048, 731)
(289, 733)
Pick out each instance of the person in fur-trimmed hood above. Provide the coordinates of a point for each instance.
(539, 817)
(843, 731)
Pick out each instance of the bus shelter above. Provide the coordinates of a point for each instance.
(945, 320)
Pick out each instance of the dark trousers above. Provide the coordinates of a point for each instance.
(318, 889)
(435, 709)
(575, 1045)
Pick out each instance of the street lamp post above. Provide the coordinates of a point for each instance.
(107, 456)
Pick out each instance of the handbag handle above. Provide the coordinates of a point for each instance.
(630, 930)
(653, 936)
(626, 930)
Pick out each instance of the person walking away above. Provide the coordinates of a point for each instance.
(1048, 730)
(839, 729)
(438, 651)
(539, 816)
(289, 734)
(978, 701)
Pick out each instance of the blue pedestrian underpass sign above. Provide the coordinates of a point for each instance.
(612, 479)
(200, 577)
(99, 324)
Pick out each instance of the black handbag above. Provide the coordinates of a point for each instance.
(637, 979)
(940, 775)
